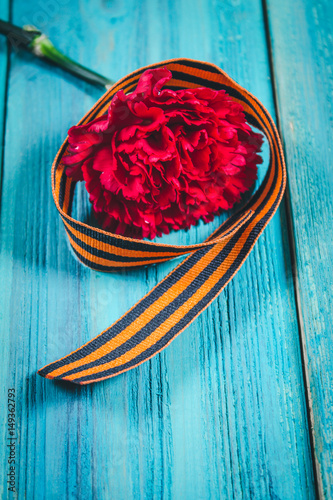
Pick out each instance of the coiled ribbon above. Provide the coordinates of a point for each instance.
(178, 299)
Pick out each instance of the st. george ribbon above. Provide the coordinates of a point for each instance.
(151, 324)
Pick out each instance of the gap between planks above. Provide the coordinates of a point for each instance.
(4, 113)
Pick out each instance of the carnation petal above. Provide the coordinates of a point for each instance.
(162, 159)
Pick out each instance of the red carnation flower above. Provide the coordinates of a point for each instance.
(163, 159)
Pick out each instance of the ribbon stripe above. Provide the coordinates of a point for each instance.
(151, 324)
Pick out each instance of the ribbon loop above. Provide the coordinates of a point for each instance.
(179, 298)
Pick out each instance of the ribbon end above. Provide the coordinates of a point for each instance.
(43, 373)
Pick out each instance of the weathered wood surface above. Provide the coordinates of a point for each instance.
(302, 50)
(3, 81)
(222, 412)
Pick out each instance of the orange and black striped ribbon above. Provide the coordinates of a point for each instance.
(178, 299)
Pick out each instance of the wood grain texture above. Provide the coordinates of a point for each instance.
(3, 80)
(221, 412)
(302, 44)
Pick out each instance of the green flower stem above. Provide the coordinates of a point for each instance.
(33, 40)
(42, 47)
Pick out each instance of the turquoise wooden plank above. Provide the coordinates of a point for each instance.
(219, 414)
(303, 65)
(3, 80)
